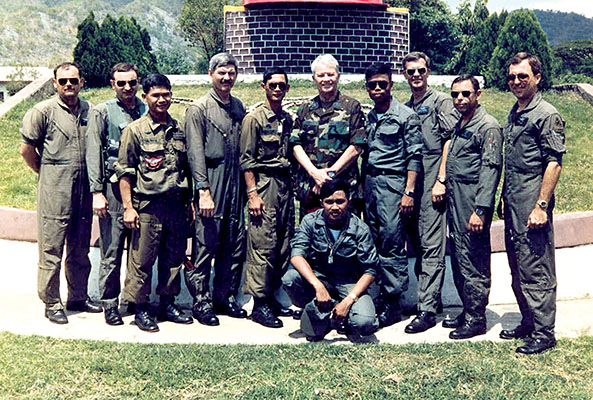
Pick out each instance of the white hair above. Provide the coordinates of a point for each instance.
(325, 59)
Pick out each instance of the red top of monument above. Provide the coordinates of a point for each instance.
(260, 3)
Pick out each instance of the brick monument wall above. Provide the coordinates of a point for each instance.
(292, 37)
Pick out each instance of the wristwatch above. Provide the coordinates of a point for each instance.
(409, 193)
(442, 179)
(353, 296)
(542, 204)
(479, 211)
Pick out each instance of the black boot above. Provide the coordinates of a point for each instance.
(391, 312)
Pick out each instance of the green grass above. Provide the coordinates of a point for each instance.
(574, 192)
(36, 367)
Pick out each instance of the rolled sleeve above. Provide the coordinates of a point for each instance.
(34, 127)
(297, 130)
(358, 132)
(194, 127)
(553, 138)
(413, 138)
(300, 243)
(249, 139)
(490, 169)
(127, 161)
(367, 252)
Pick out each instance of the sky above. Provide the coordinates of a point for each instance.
(584, 7)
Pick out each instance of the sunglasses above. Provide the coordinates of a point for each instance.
(464, 93)
(131, 82)
(64, 81)
(373, 84)
(421, 71)
(522, 77)
(279, 85)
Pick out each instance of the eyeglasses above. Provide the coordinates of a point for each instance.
(279, 85)
(131, 82)
(522, 77)
(464, 93)
(64, 81)
(411, 71)
(373, 84)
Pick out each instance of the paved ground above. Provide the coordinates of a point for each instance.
(22, 312)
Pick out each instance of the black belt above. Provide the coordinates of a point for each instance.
(274, 171)
(378, 171)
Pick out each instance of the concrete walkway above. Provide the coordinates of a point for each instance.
(22, 312)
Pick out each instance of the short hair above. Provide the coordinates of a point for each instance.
(467, 77)
(123, 67)
(415, 56)
(333, 186)
(534, 63)
(155, 80)
(326, 59)
(274, 71)
(221, 60)
(377, 69)
(67, 65)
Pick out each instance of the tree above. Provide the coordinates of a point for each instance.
(575, 57)
(470, 21)
(174, 61)
(521, 32)
(114, 41)
(202, 23)
(482, 45)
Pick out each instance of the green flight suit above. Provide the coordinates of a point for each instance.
(438, 117)
(533, 137)
(64, 209)
(394, 148)
(106, 123)
(473, 165)
(338, 264)
(213, 139)
(264, 151)
(324, 134)
(154, 156)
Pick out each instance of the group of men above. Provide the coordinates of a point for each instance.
(433, 162)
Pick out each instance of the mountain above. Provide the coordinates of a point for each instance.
(43, 32)
(562, 27)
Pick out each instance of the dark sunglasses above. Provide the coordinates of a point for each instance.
(522, 77)
(373, 84)
(64, 81)
(279, 85)
(131, 82)
(464, 93)
(421, 71)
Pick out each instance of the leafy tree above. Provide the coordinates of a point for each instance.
(433, 30)
(482, 45)
(114, 41)
(575, 57)
(174, 61)
(521, 32)
(470, 21)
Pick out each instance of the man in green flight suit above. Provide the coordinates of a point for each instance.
(474, 163)
(534, 145)
(152, 164)
(438, 117)
(390, 168)
(213, 127)
(53, 146)
(106, 123)
(266, 167)
(328, 135)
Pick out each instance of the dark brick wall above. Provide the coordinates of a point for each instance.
(292, 37)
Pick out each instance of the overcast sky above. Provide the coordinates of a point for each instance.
(584, 7)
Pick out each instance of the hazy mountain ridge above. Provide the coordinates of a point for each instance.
(562, 27)
(43, 32)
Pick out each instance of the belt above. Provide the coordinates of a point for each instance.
(274, 171)
(378, 171)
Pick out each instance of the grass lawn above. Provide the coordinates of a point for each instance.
(36, 367)
(574, 192)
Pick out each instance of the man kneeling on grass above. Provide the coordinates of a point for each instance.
(335, 262)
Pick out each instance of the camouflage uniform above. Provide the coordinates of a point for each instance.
(213, 138)
(533, 138)
(106, 123)
(154, 156)
(338, 265)
(264, 151)
(474, 163)
(438, 118)
(395, 144)
(64, 210)
(324, 134)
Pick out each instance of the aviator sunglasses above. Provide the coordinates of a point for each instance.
(131, 82)
(464, 93)
(279, 85)
(522, 77)
(411, 71)
(373, 84)
(64, 81)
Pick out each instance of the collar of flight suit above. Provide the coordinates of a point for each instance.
(336, 104)
(429, 92)
(271, 115)
(537, 98)
(233, 103)
(155, 126)
(82, 105)
(475, 119)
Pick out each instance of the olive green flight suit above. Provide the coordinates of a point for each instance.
(213, 139)
(395, 145)
(473, 164)
(338, 264)
(154, 156)
(533, 137)
(438, 117)
(264, 151)
(64, 210)
(324, 134)
(106, 123)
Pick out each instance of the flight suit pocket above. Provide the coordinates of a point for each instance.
(270, 145)
(388, 133)
(179, 142)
